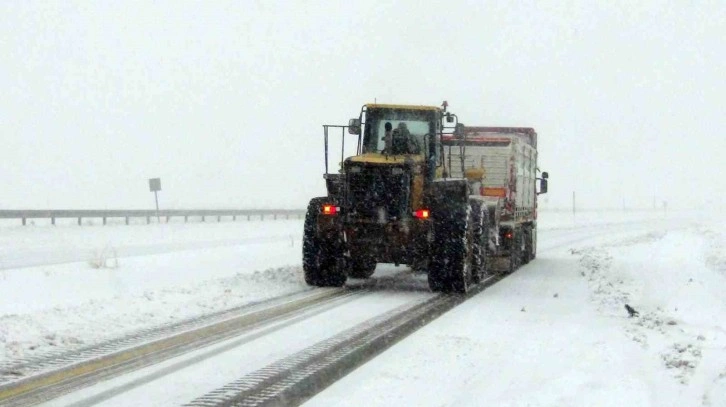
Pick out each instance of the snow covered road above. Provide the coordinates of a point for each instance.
(554, 333)
(184, 378)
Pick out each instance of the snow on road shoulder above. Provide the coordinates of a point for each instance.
(27, 246)
(714, 254)
(557, 333)
(47, 308)
(674, 282)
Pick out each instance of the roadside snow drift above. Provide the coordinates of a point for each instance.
(161, 274)
(556, 333)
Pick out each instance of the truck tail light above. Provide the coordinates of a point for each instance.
(508, 235)
(330, 209)
(422, 214)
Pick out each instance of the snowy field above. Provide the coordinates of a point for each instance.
(71, 285)
(554, 333)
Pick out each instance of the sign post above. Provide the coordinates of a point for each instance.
(155, 187)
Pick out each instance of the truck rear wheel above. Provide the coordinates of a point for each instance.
(527, 236)
(319, 255)
(515, 252)
(479, 238)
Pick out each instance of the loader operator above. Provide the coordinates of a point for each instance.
(402, 141)
(387, 137)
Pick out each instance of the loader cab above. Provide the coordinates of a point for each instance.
(414, 131)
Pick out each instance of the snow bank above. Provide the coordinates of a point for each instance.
(194, 271)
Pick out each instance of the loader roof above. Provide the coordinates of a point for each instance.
(410, 107)
(378, 158)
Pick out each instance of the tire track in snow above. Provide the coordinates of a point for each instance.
(45, 386)
(296, 378)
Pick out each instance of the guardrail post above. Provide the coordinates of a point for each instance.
(52, 221)
(167, 219)
(127, 220)
(23, 221)
(248, 217)
(148, 220)
(219, 218)
(79, 221)
(262, 217)
(186, 218)
(104, 221)
(287, 216)
(203, 218)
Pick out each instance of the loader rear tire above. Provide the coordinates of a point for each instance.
(319, 255)
(451, 265)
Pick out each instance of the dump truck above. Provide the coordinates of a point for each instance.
(504, 161)
(403, 197)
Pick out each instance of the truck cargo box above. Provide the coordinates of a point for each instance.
(509, 161)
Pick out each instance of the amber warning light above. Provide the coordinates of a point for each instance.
(422, 213)
(330, 209)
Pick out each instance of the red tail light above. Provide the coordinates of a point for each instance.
(508, 235)
(422, 214)
(330, 209)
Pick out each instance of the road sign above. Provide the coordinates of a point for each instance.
(154, 184)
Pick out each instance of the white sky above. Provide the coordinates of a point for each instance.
(225, 101)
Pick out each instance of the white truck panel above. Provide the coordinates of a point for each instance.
(509, 164)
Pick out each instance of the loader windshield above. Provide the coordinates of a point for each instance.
(407, 130)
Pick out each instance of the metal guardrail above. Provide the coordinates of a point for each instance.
(104, 214)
